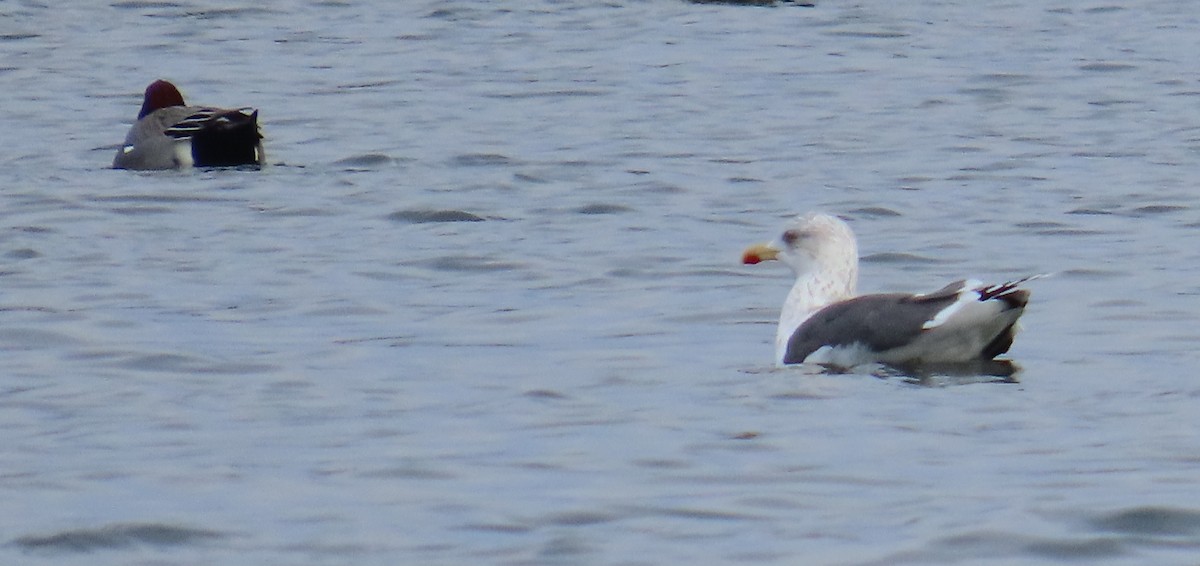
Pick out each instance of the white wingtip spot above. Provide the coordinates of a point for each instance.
(965, 297)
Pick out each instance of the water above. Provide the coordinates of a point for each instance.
(486, 306)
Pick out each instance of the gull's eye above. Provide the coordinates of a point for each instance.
(790, 237)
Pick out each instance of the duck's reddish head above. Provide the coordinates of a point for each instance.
(160, 94)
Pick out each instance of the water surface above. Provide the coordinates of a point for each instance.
(485, 305)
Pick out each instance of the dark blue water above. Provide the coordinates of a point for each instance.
(485, 306)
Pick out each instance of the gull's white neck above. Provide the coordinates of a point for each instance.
(812, 292)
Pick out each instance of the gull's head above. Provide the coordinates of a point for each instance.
(820, 249)
(810, 243)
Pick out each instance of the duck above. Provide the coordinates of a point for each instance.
(825, 321)
(169, 134)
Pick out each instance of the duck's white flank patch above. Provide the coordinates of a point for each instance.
(183, 153)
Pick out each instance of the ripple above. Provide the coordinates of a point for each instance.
(421, 216)
(868, 34)
(1068, 232)
(580, 518)
(1069, 549)
(139, 210)
(1107, 67)
(703, 514)
(409, 473)
(139, 4)
(297, 212)
(32, 339)
(1157, 209)
(480, 160)
(508, 528)
(116, 536)
(23, 253)
(896, 257)
(160, 199)
(545, 394)
(875, 211)
(602, 209)
(178, 363)
(761, 3)
(1006, 78)
(1150, 521)
(998, 545)
(547, 94)
(1093, 274)
(366, 161)
(471, 263)
(248, 12)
